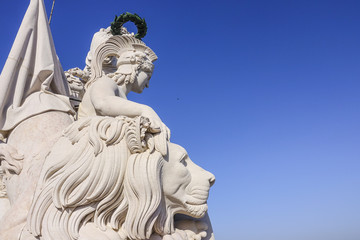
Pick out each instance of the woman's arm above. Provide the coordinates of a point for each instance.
(105, 97)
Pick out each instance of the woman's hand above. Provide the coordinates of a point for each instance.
(157, 125)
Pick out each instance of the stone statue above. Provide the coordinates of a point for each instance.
(115, 184)
(101, 169)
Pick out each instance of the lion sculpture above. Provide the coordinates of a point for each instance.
(106, 179)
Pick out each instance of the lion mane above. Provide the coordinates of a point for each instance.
(105, 171)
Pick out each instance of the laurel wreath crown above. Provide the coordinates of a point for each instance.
(139, 22)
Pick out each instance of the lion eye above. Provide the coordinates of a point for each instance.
(183, 161)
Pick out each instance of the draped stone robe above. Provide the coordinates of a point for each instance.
(32, 80)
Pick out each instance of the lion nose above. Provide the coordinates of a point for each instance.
(212, 179)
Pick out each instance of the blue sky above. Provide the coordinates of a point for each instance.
(264, 94)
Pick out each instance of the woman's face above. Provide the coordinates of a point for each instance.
(141, 82)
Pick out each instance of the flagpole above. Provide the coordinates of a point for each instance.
(51, 13)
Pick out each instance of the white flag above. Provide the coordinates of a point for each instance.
(32, 80)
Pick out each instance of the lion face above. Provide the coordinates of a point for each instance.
(186, 185)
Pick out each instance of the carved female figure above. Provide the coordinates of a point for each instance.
(107, 90)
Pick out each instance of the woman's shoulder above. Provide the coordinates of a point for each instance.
(104, 82)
